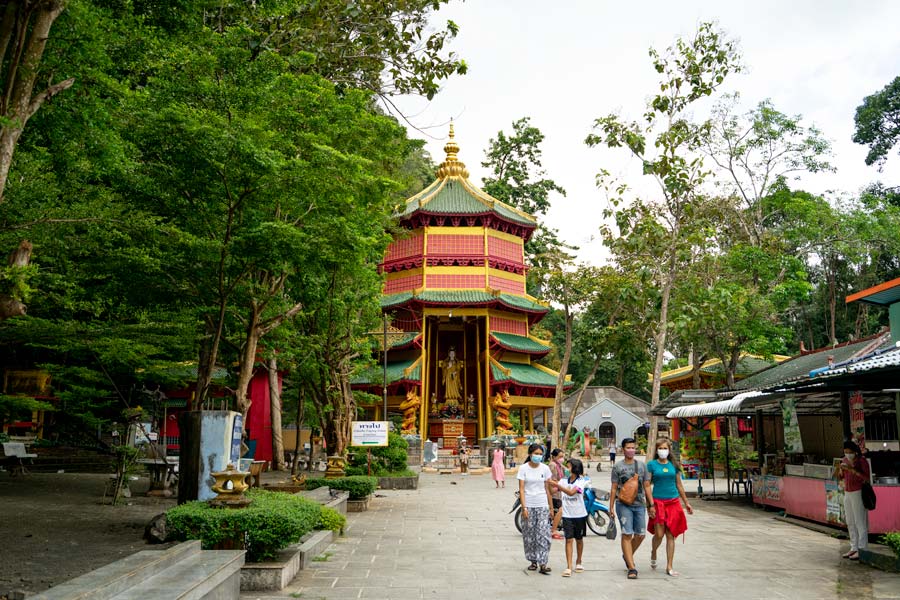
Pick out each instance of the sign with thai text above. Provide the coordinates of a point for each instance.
(834, 502)
(766, 487)
(453, 429)
(793, 442)
(369, 433)
(858, 419)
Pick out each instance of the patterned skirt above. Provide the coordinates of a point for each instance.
(536, 535)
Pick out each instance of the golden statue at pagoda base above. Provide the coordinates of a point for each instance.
(410, 408)
(451, 377)
(502, 405)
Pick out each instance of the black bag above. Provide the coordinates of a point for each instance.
(868, 496)
(611, 530)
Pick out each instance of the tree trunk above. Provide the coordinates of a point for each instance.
(247, 363)
(561, 379)
(10, 305)
(299, 423)
(209, 355)
(733, 361)
(662, 331)
(275, 399)
(578, 398)
(21, 51)
(696, 365)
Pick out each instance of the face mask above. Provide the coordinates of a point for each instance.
(849, 455)
(536, 458)
(567, 472)
(630, 452)
(663, 453)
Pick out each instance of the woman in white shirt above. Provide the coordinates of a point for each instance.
(574, 513)
(537, 506)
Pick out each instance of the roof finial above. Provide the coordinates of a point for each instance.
(452, 167)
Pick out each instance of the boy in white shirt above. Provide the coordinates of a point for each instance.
(574, 513)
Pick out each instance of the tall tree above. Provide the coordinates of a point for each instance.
(661, 237)
(878, 123)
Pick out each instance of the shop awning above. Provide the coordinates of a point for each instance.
(740, 404)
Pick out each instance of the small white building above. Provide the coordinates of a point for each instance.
(608, 413)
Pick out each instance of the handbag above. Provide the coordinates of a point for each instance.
(629, 490)
(611, 531)
(868, 496)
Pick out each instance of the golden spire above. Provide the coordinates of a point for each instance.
(452, 167)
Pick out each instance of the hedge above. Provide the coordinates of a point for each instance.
(274, 520)
(892, 539)
(359, 486)
(385, 459)
(332, 519)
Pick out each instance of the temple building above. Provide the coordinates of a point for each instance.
(461, 356)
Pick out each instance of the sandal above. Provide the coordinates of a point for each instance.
(545, 570)
(632, 573)
(557, 536)
(533, 567)
(652, 563)
(672, 573)
(579, 568)
(567, 573)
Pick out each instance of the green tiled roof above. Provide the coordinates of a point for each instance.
(523, 374)
(747, 365)
(520, 343)
(375, 375)
(800, 366)
(405, 340)
(462, 297)
(453, 198)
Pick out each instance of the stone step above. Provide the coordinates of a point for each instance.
(112, 579)
(210, 575)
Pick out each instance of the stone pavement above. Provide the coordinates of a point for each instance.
(452, 538)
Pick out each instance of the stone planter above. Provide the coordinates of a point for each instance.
(880, 558)
(277, 574)
(358, 505)
(398, 483)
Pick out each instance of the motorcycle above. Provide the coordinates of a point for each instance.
(598, 519)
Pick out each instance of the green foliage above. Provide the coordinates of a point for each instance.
(385, 459)
(892, 540)
(359, 486)
(740, 449)
(15, 406)
(274, 520)
(878, 123)
(332, 520)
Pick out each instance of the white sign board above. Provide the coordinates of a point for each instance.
(369, 433)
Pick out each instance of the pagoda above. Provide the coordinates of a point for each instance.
(460, 354)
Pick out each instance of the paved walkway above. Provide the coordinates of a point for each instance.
(452, 538)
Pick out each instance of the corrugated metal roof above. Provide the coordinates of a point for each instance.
(800, 366)
(881, 358)
(520, 343)
(883, 294)
(741, 403)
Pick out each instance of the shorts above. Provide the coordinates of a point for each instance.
(557, 503)
(632, 518)
(574, 527)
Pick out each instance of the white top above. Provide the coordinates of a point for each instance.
(573, 506)
(535, 479)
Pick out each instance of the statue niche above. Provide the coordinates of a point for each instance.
(451, 377)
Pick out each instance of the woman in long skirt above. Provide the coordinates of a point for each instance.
(498, 467)
(537, 504)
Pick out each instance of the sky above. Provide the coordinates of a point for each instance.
(569, 62)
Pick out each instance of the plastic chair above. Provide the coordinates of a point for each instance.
(742, 480)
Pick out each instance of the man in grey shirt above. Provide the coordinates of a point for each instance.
(632, 517)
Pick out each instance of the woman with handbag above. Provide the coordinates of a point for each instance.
(537, 506)
(630, 488)
(854, 469)
(667, 520)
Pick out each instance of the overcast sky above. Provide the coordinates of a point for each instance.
(566, 63)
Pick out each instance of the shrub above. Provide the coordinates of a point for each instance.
(892, 539)
(273, 521)
(359, 486)
(331, 519)
(385, 459)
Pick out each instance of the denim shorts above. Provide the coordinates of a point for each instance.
(632, 518)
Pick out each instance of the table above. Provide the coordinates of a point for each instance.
(162, 472)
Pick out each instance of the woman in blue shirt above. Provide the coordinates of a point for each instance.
(667, 520)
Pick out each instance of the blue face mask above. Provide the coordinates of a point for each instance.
(566, 472)
(536, 458)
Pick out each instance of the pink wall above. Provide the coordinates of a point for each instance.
(259, 418)
(805, 497)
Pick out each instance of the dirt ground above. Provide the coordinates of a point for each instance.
(53, 527)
